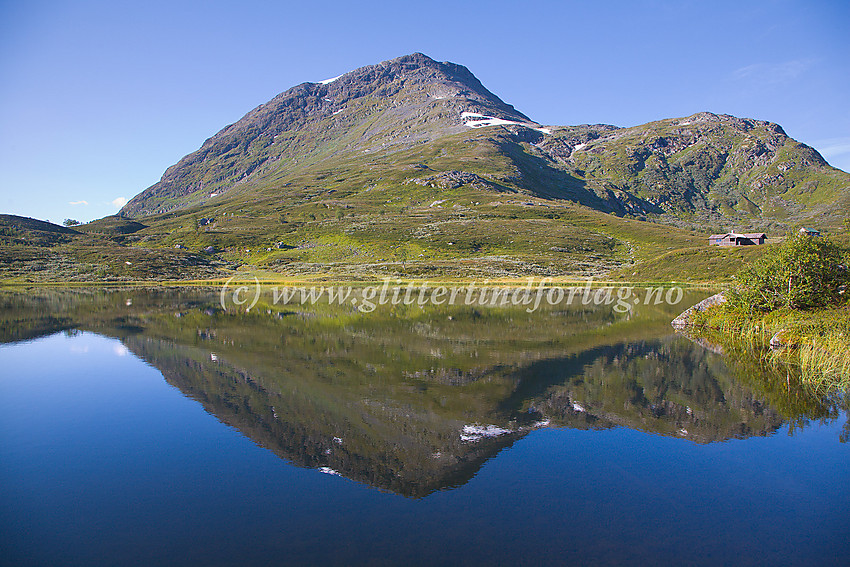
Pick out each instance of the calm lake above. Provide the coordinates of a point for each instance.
(154, 427)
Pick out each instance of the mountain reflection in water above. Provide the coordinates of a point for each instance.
(414, 400)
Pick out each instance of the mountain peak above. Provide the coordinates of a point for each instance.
(744, 124)
(412, 61)
(440, 80)
(392, 105)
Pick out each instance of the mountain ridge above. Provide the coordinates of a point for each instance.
(705, 168)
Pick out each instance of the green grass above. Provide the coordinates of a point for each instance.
(817, 342)
(695, 264)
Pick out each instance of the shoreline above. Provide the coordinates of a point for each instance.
(289, 281)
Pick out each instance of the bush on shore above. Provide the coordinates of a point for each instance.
(804, 272)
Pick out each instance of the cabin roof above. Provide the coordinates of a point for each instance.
(750, 235)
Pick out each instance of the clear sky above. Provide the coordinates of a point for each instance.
(98, 98)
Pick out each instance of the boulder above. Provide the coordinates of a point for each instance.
(780, 340)
(684, 320)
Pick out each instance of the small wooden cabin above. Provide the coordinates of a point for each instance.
(735, 239)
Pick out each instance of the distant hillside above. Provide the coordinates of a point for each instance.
(722, 170)
(39, 251)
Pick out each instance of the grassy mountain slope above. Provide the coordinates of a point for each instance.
(449, 207)
(709, 169)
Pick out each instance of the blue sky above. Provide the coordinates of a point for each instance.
(97, 98)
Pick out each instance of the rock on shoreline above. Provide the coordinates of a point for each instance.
(684, 320)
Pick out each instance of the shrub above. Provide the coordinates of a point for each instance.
(804, 272)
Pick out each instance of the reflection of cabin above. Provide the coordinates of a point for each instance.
(735, 239)
(809, 231)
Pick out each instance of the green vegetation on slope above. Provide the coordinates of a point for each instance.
(37, 251)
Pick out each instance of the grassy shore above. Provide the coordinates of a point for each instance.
(816, 341)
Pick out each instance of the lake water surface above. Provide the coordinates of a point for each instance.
(152, 427)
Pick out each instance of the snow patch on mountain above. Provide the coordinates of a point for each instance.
(483, 120)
